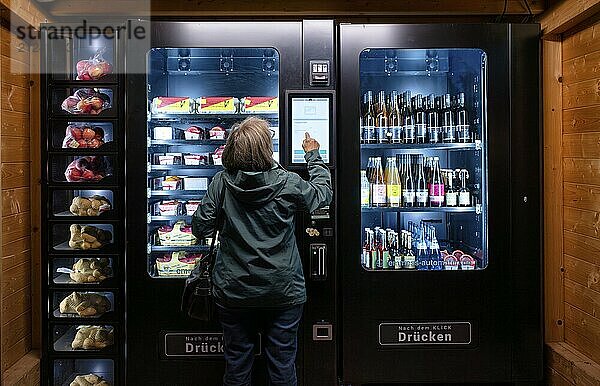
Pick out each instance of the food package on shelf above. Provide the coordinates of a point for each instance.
(218, 155)
(93, 337)
(178, 235)
(87, 101)
(450, 261)
(260, 104)
(195, 183)
(177, 264)
(163, 132)
(89, 206)
(191, 206)
(78, 136)
(217, 105)
(168, 159)
(93, 270)
(94, 68)
(89, 380)
(171, 183)
(88, 168)
(88, 237)
(194, 133)
(196, 159)
(217, 132)
(169, 208)
(173, 105)
(85, 304)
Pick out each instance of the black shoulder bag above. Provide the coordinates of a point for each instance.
(197, 300)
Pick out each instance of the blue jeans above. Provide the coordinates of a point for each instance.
(279, 328)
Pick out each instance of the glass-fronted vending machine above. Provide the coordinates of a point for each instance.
(441, 236)
(83, 206)
(185, 93)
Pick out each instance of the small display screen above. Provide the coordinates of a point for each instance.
(313, 116)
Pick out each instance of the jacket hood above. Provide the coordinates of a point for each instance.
(255, 188)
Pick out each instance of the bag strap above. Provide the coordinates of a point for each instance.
(218, 224)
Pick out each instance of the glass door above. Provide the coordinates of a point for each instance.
(423, 159)
(195, 97)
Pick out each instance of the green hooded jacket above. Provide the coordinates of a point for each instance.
(258, 263)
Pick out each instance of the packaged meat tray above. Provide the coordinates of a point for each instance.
(168, 159)
(191, 206)
(217, 105)
(178, 235)
(177, 264)
(196, 159)
(79, 136)
(217, 132)
(193, 133)
(169, 208)
(171, 183)
(218, 155)
(260, 104)
(172, 105)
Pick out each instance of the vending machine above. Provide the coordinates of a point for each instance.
(441, 228)
(184, 93)
(83, 207)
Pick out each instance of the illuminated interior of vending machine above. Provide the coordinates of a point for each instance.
(195, 98)
(423, 154)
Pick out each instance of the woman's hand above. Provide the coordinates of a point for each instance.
(310, 143)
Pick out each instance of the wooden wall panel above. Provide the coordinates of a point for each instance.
(581, 43)
(581, 191)
(582, 196)
(581, 94)
(583, 170)
(584, 222)
(16, 259)
(585, 145)
(14, 175)
(582, 120)
(582, 272)
(586, 67)
(582, 297)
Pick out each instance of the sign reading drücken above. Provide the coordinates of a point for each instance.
(427, 333)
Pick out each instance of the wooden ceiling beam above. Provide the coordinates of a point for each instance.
(61, 8)
(565, 15)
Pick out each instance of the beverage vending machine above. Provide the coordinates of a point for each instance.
(184, 93)
(440, 231)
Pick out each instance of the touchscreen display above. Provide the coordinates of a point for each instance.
(310, 115)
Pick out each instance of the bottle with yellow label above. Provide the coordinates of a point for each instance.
(392, 180)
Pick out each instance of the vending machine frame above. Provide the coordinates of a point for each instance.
(53, 119)
(153, 306)
(501, 303)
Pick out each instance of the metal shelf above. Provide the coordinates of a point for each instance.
(170, 218)
(211, 116)
(191, 248)
(161, 168)
(66, 216)
(84, 151)
(64, 248)
(177, 193)
(187, 142)
(423, 146)
(421, 209)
